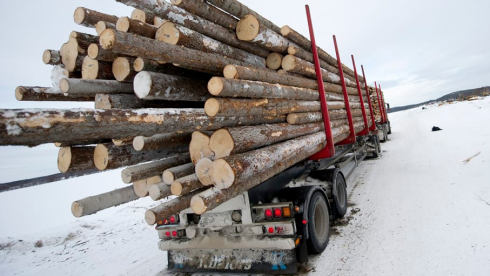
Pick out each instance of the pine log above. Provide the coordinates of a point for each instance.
(141, 188)
(229, 107)
(199, 146)
(159, 191)
(93, 69)
(51, 57)
(313, 117)
(202, 9)
(169, 208)
(185, 185)
(296, 65)
(141, 64)
(204, 170)
(196, 23)
(108, 156)
(249, 29)
(129, 101)
(142, 16)
(161, 140)
(83, 40)
(126, 25)
(307, 56)
(89, 18)
(176, 34)
(155, 168)
(71, 58)
(122, 69)
(228, 141)
(34, 93)
(150, 85)
(274, 61)
(140, 46)
(93, 204)
(71, 159)
(102, 25)
(123, 142)
(305, 43)
(256, 74)
(171, 174)
(93, 87)
(211, 198)
(23, 126)
(239, 10)
(95, 51)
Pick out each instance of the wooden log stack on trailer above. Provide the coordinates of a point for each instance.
(191, 92)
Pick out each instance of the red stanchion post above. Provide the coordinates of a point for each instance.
(365, 131)
(379, 103)
(373, 126)
(383, 103)
(329, 150)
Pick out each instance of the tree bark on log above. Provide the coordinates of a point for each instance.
(196, 23)
(199, 146)
(128, 101)
(211, 198)
(229, 141)
(141, 64)
(139, 46)
(152, 86)
(84, 40)
(71, 159)
(314, 117)
(263, 75)
(296, 65)
(126, 25)
(123, 142)
(144, 171)
(93, 204)
(93, 69)
(109, 156)
(273, 107)
(305, 43)
(51, 57)
(169, 208)
(176, 34)
(88, 18)
(307, 56)
(249, 29)
(95, 51)
(93, 87)
(204, 170)
(24, 127)
(239, 10)
(142, 16)
(122, 69)
(102, 25)
(185, 185)
(35, 93)
(171, 174)
(161, 140)
(159, 191)
(202, 9)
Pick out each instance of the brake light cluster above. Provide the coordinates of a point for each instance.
(280, 212)
(169, 234)
(171, 220)
(275, 230)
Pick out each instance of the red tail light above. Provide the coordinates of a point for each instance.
(271, 230)
(174, 233)
(268, 214)
(277, 213)
(165, 221)
(167, 235)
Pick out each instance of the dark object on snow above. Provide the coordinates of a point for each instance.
(434, 128)
(423, 107)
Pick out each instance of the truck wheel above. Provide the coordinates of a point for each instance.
(318, 224)
(389, 127)
(339, 195)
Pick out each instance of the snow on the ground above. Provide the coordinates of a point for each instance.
(417, 210)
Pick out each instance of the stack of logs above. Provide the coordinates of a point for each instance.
(201, 99)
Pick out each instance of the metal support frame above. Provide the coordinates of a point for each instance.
(373, 126)
(365, 131)
(329, 149)
(384, 105)
(352, 133)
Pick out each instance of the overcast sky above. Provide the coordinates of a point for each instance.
(418, 50)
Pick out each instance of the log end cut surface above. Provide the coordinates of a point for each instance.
(101, 157)
(204, 169)
(274, 61)
(288, 62)
(64, 159)
(121, 68)
(223, 175)
(168, 177)
(107, 39)
(247, 28)
(138, 64)
(76, 209)
(211, 107)
(198, 205)
(90, 68)
(150, 217)
(176, 188)
(93, 50)
(47, 56)
(64, 85)
(19, 93)
(285, 30)
(79, 15)
(138, 143)
(168, 33)
(230, 71)
(215, 86)
(122, 24)
(221, 143)
(142, 84)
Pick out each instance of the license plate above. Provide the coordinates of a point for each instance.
(233, 260)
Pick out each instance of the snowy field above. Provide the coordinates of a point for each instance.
(423, 208)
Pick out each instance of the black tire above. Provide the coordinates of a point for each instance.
(389, 127)
(339, 192)
(318, 224)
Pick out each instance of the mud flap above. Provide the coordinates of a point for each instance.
(233, 260)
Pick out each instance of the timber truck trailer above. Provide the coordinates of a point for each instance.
(275, 225)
